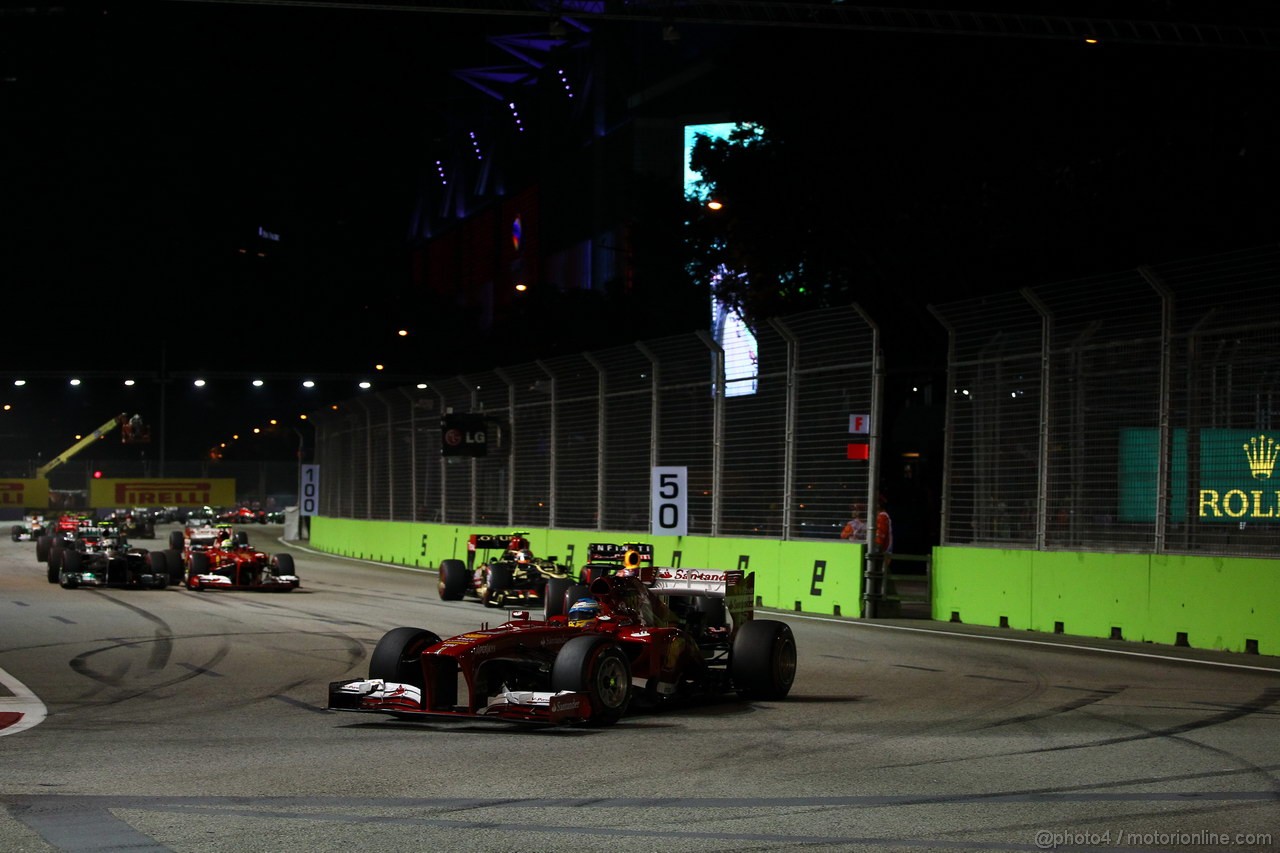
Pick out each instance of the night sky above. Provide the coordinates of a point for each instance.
(146, 143)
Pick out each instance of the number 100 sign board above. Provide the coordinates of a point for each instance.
(668, 503)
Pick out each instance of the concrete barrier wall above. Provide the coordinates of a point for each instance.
(1205, 602)
(1228, 603)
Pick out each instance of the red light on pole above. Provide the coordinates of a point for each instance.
(861, 451)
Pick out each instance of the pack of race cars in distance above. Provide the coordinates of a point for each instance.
(199, 558)
(660, 634)
(99, 555)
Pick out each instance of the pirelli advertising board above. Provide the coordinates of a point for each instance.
(20, 494)
(1238, 480)
(191, 491)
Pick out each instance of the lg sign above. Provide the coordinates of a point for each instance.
(463, 435)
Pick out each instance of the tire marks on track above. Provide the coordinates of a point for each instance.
(84, 823)
(1258, 705)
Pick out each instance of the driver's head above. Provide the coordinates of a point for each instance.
(584, 612)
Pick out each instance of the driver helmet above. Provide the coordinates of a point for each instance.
(630, 564)
(584, 612)
(524, 556)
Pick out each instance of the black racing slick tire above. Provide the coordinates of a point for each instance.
(176, 540)
(397, 657)
(553, 595)
(497, 582)
(453, 580)
(173, 559)
(43, 545)
(573, 594)
(762, 662)
(158, 562)
(284, 565)
(17, 533)
(199, 564)
(595, 665)
(69, 565)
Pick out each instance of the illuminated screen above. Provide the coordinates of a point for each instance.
(741, 354)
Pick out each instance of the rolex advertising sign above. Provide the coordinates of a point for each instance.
(1238, 479)
(1238, 486)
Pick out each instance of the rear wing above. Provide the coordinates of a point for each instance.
(606, 558)
(477, 542)
(733, 585)
(505, 541)
(605, 553)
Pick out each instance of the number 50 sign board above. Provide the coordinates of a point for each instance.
(668, 504)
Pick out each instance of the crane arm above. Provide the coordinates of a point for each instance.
(81, 444)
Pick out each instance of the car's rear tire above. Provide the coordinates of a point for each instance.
(397, 657)
(573, 594)
(452, 580)
(17, 533)
(43, 544)
(158, 562)
(173, 559)
(497, 582)
(70, 564)
(762, 662)
(553, 595)
(176, 540)
(595, 665)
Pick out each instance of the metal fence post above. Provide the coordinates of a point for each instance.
(789, 426)
(1166, 373)
(655, 404)
(1042, 453)
(875, 579)
(552, 443)
(717, 429)
(510, 438)
(602, 431)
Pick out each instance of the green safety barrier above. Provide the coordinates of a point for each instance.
(1227, 603)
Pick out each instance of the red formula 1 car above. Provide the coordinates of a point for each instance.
(510, 577)
(658, 633)
(235, 564)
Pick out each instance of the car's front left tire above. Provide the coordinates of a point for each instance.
(595, 665)
(397, 657)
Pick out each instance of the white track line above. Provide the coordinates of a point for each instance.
(28, 707)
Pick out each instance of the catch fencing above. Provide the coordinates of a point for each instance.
(1125, 412)
(1129, 412)
(572, 440)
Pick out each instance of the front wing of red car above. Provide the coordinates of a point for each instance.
(519, 706)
